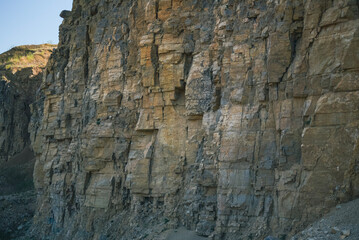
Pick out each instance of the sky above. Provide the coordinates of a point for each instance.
(24, 22)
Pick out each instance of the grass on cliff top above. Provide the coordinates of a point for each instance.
(17, 59)
(26, 56)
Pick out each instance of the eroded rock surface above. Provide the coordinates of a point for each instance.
(236, 119)
(20, 77)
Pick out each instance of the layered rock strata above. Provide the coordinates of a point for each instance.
(236, 119)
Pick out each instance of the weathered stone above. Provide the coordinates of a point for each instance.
(21, 72)
(65, 14)
(237, 119)
(20, 77)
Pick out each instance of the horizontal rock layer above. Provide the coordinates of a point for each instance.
(236, 119)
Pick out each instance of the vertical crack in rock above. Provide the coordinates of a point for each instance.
(86, 55)
(157, 7)
(187, 65)
(155, 64)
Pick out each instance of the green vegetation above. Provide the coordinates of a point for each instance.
(30, 57)
(25, 56)
(19, 57)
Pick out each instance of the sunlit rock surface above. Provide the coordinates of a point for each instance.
(234, 119)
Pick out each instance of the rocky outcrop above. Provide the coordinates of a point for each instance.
(236, 119)
(20, 77)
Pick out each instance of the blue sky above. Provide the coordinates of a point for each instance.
(25, 22)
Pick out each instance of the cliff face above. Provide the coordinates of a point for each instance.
(20, 77)
(236, 119)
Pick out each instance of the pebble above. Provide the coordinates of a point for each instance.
(334, 230)
(346, 233)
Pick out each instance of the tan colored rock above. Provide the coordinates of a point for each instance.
(236, 119)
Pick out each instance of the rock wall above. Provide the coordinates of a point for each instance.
(236, 118)
(20, 77)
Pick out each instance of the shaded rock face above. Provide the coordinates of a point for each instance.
(20, 77)
(236, 119)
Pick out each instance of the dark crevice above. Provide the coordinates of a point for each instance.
(11, 131)
(217, 99)
(113, 186)
(68, 121)
(155, 64)
(87, 181)
(199, 155)
(151, 161)
(86, 55)
(71, 200)
(294, 39)
(156, 8)
(187, 65)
